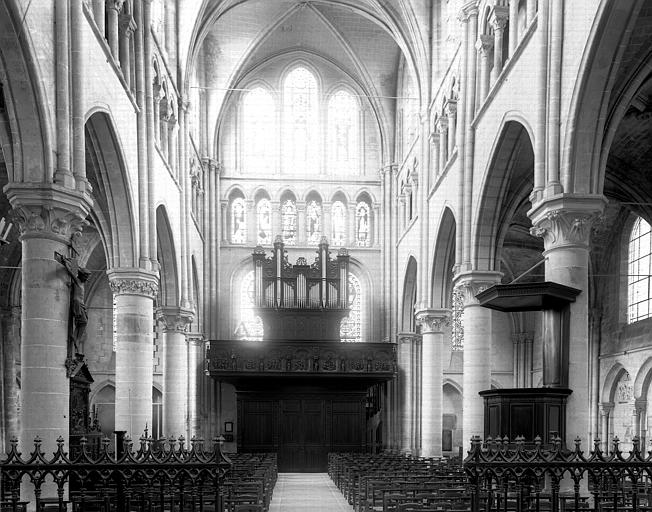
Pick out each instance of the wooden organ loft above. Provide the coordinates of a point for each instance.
(301, 392)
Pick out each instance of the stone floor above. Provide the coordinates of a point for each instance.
(307, 492)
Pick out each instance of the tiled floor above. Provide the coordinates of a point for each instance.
(307, 492)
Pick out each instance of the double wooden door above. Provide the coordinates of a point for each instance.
(301, 427)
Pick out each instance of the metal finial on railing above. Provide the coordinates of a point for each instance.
(578, 445)
(616, 446)
(636, 446)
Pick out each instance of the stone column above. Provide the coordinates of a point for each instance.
(113, 11)
(433, 324)
(435, 159)
(175, 321)
(99, 7)
(127, 27)
(195, 373)
(48, 217)
(403, 218)
(477, 322)
(530, 11)
(10, 358)
(451, 112)
(134, 290)
(302, 235)
(564, 222)
(513, 28)
(640, 413)
(484, 45)
(605, 412)
(442, 125)
(499, 17)
(407, 344)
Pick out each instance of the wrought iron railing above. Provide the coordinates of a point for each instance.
(508, 475)
(159, 475)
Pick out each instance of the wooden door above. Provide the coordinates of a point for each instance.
(302, 440)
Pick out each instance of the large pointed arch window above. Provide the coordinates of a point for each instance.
(259, 142)
(351, 326)
(343, 133)
(250, 326)
(338, 220)
(363, 224)
(300, 122)
(264, 222)
(313, 222)
(289, 222)
(639, 293)
(238, 221)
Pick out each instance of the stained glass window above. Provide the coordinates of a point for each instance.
(238, 221)
(639, 296)
(259, 141)
(250, 326)
(289, 222)
(300, 122)
(313, 222)
(264, 222)
(351, 326)
(343, 133)
(338, 220)
(363, 224)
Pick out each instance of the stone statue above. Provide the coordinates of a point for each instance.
(79, 276)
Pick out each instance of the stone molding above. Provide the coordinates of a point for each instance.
(195, 339)
(523, 337)
(640, 405)
(469, 10)
(115, 4)
(175, 319)
(48, 211)
(566, 220)
(408, 337)
(433, 320)
(127, 25)
(499, 17)
(133, 281)
(606, 408)
(469, 284)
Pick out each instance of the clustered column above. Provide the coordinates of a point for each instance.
(499, 17)
(134, 291)
(408, 347)
(175, 321)
(477, 321)
(433, 324)
(484, 45)
(114, 7)
(195, 373)
(606, 409)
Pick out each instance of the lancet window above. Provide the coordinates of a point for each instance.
(289, 222)
(300, 121)
(338, 219)
(351, 326)
(264, 222)
(313, 222)
(238, 221)
(363, 224)
(639, 296)
(343, 133)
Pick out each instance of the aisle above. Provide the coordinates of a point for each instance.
(303, 492)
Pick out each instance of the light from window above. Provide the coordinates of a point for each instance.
(259, 141)
(250, 326)
(362, 218)
(238, 221)
(313, 222)
(350, 328)
(300, 121)
(264, 221)
(640, 268)
(338, 219)
(289, 222)
(343, 133)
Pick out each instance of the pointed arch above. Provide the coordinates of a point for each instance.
(167, 258)
(611, 382)
(443, 261)
(409, 296)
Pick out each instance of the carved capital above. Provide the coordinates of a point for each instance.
(484, 44)
(566, 221)
(451, 108)
(469, 284)
(175, 319)
(523, 337)
(468, 11)
(433, 320)
(640, 405)
(195, 339)
(606, 408)
(134, 281)
(48, 211)
(499, 17)
(127, 25)
(115, 4)
(442, 124)
(407, 338)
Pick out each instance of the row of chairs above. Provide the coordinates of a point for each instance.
(250, 483)
(393, 482)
